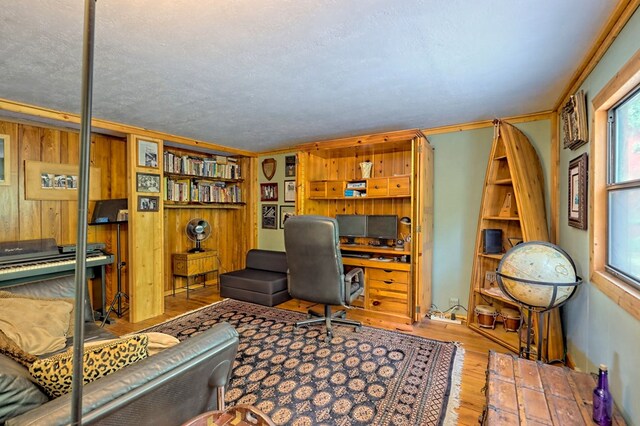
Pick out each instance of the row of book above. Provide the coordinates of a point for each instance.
(354, 193)
(214, 167)
(187, 190)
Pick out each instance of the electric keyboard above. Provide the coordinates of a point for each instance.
(30, 260)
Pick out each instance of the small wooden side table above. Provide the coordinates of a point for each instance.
(520, 391)
(192, 265)
(239, 415)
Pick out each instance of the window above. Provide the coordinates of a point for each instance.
(623, 189)
(614, 182)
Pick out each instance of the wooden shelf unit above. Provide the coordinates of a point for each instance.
(229, 240)
(513, 168)
(193, 177)
(401, 183)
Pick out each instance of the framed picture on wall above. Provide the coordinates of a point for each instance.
(290, 166)
(5, 152)
(147, 182)
(285, 213)
(268, 192)
(577, 211)
(147, 154)
(269, 216)
(148, 204)
(289, 191)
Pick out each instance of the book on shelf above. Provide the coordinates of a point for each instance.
(212, 167)
(353, 193)
(357, 185)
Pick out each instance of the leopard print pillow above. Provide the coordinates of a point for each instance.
(54, 374)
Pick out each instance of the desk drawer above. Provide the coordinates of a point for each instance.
(377, 187)
(399, 186)
(388, 275)
(387, 301)
(318, 188)
(388, 286)
(187, 265)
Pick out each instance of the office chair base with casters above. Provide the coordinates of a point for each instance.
(328, 319)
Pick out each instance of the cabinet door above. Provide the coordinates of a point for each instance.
(377, 187)
(318, 189)
(399, 186)
(335, 188)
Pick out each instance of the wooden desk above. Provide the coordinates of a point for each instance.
(190, 265)
(387, 285)
(520, 391)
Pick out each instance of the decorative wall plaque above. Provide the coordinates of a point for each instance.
(269, 167)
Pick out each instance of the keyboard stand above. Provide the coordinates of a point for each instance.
(119, 294)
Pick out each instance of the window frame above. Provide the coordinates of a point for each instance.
(624, 294)
(613, 184)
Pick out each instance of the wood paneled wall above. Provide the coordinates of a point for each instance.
(22, 219)
(233, 230)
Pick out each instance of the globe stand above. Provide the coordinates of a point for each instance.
(549, 289)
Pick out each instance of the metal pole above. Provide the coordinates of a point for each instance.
(83, 201)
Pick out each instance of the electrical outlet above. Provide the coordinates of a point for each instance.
(453, 301)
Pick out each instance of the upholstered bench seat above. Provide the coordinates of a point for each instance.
(263, 281)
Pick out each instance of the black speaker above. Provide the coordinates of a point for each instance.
(492, 241)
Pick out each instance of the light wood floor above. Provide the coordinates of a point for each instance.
(476, 347)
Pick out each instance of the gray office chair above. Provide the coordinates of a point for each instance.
(315, 269)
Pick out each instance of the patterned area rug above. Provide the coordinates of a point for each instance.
(369, 377)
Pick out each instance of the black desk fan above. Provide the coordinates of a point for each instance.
(197, 230)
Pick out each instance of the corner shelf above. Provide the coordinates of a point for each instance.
(513, 171)
(501, 217)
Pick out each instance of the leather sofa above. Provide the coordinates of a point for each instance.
(262, 281)
(165, 389)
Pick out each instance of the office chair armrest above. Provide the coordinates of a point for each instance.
(354, 275)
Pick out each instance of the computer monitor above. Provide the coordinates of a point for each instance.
(383, 227)
(351, 226)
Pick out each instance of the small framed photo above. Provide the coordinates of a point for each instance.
(147, 154)
(289, 191)
(285, 213)
(148, 204)
(290, 166)
(147, 182)
(269, 216)
(577, 212)
(268, 192)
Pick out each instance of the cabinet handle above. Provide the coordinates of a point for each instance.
(388, 282)
(397, 185)
(375, 303)
(375, 186)
(388, 271)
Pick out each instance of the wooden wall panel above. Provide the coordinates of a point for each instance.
(9, 211)
(22, 219)
(232, 234)
(146, 242)
(29, 211)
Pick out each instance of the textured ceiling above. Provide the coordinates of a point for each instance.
(264, 74)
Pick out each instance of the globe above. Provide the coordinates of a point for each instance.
(537, 274)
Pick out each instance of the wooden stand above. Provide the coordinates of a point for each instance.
(239, 415)
(190, 265)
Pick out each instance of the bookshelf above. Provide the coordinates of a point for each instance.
(205, 181)
(513, 202)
